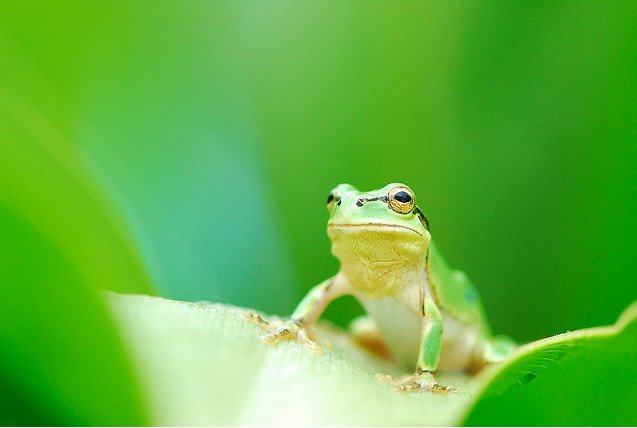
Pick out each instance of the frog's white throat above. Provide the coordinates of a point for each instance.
(379, 259)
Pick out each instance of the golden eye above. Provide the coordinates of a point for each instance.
(401, 199)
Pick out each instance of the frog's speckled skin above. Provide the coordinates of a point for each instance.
(424, 312)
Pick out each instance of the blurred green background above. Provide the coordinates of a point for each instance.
(187, 149)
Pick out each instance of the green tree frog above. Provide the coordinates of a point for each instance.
(420, 309)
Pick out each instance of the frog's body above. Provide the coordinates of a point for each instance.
(390, 265)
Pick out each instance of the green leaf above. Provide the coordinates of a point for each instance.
(202, 364)
(61, 362)
(585, 377)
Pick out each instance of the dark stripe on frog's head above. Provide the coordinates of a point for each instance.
(361, 201)
(422, 216)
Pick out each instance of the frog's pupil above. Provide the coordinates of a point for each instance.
(330, 198)
(402, 197)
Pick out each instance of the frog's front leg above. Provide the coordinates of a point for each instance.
(428, 357)
(307, 313)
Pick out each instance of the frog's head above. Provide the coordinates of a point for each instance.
(388, 213)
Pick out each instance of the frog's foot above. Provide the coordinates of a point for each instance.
(284, 330)
(419, 381)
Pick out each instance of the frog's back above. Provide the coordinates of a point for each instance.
(454, 292)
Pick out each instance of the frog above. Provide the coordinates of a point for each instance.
(419, 311)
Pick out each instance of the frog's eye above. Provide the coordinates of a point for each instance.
(330, 201)
(401, 199)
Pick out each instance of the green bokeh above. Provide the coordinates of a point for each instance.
(194, 143)
(60, 361)
(219, 129)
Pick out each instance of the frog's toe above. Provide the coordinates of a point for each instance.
(397, 383)
(416, 382)
(443, 389)
(258, 320)
(303, 338)
(431, 386)
(409, 387)
(281, 333)
(385, 378)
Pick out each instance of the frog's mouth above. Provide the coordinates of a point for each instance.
(371, 226)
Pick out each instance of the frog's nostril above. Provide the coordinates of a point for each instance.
(360, 202)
